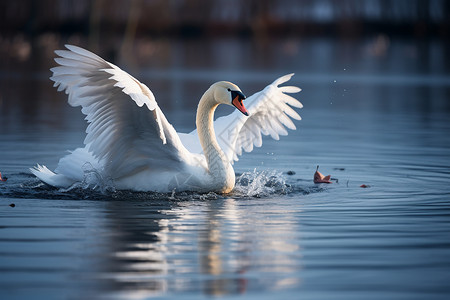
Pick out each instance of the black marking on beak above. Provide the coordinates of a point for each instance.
(239, 94)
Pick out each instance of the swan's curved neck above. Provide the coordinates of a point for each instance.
(219, 167)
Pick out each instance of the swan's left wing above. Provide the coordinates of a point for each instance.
(270, 113)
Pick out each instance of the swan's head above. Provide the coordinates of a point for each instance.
(228, 93)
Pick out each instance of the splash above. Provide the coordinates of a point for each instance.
(260, 184)
(93, 180)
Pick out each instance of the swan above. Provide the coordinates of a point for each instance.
(129, 140)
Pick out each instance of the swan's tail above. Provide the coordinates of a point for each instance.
(51, 178)
(71, 169)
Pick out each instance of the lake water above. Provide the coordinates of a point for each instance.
(376, 113)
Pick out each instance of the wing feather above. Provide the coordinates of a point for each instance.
(126, 128)
(291, 101)
(270, 114)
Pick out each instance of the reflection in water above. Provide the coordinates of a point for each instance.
(213, 246)
(152, 248)
(136, 264)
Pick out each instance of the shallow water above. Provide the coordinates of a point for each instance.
(277, 235)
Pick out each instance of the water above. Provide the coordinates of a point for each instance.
(380, 121)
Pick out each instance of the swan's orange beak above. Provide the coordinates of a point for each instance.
(237, 101)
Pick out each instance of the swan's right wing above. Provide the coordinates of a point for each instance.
(127, 130)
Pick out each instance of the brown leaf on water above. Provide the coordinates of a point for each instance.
(3, 178)
(364, 186)
(320, 178)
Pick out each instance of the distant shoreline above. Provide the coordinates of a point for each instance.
(195, 18)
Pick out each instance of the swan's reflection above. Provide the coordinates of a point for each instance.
(136, 266)
(237, 245)
(220, 247)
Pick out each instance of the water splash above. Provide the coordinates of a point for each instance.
(261, 183)
(93, 180)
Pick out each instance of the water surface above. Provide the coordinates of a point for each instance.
(380, 121)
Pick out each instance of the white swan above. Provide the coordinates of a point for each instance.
(130, 141)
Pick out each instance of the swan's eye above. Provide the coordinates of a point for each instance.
(229, 89)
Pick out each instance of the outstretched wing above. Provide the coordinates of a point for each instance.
(270, 113)
(127, 129)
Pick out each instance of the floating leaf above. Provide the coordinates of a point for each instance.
(320, 178)
(3, 178)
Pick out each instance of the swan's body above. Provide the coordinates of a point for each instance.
(130, 141)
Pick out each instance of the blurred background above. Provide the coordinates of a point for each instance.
(391, 55)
